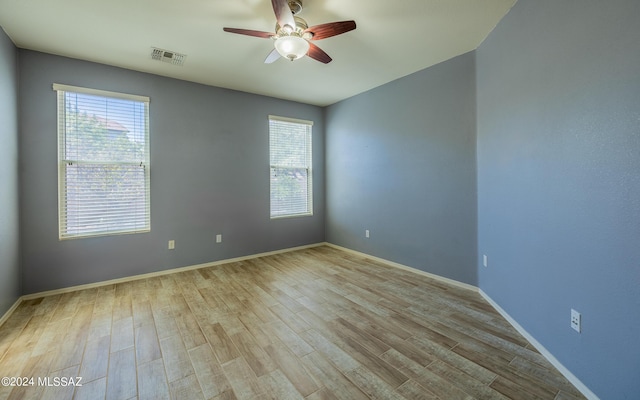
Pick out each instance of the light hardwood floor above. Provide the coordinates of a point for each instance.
(316, 324)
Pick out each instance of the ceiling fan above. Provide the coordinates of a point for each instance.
(293, 37)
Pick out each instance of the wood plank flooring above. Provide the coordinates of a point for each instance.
(311, 324)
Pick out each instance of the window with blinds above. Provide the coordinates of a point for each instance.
(290, 159)
(103, 162)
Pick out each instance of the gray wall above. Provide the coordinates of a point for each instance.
(401, 163)
(9, 192)
(558, 187)
(209, 175)
(559, 181)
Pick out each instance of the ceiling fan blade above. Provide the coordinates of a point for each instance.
(284, 16)
(273, 56)
(318, 54)
(324, 31)
(249, 32)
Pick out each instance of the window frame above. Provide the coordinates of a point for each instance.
(63, 162)
(308, 166)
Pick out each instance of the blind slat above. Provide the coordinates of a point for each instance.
(290, 159)
(103, 144)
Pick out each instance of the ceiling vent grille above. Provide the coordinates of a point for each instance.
(168, 56)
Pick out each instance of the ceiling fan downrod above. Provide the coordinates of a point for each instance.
(295, 6)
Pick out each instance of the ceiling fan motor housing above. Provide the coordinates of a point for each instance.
(301, 26)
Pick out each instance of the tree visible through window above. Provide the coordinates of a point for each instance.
(103, 141)
(290, 159)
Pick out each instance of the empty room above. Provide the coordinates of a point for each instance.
(320, 199)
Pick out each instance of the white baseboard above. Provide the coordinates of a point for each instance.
(554, 361)
(545, 353)
(164, 272)
(37, 295)
(407, 268)
(10, 311)
(561, 368)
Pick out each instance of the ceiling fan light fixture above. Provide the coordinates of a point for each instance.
(287, 29)
(292, 37)
(291, 47)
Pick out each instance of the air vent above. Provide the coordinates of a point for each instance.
(168, 56)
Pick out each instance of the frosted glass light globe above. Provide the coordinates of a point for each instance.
(291, 47)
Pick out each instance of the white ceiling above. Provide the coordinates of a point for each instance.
(392, 39)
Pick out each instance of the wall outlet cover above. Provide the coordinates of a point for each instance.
(576, 320)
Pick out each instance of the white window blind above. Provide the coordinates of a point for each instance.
(290, 159)
(103, 162)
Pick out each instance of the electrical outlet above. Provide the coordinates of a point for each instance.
(485, 260)
(172, 244)
(576, 321)
(366, 233)
(219, 238)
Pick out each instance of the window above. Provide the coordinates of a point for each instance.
(290, 159)
(103, 162)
